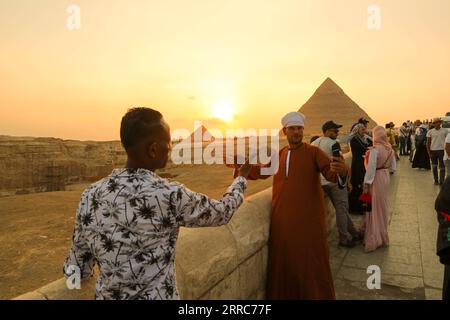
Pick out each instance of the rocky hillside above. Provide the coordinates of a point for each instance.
(49, 164)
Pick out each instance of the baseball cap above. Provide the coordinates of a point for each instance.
(330, 125)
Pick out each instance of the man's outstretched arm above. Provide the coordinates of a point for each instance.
(198, 210)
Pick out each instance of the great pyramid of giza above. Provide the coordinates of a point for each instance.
(330, 102)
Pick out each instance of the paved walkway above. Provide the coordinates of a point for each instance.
(410, 268)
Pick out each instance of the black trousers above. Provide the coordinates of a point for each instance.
(408, 145)
(403, 146)
(446, 285)
(437, 156)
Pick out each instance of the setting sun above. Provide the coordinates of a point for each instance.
(223, 110)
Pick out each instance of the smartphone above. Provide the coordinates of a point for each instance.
(336, 150)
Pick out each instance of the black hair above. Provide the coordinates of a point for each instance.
(138, 124)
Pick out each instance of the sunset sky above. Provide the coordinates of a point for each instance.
(196, 59)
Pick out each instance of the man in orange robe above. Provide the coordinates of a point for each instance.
(299, 265)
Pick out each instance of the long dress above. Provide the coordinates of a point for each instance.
(380, 162)
(358, 148)
(421, 158)
(298, 266)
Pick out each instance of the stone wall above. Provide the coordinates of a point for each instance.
(228, 262)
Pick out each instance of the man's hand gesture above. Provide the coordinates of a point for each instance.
(338, 165)
(243, 170)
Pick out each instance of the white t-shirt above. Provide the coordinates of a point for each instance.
(447, 140)
(437, 138)
(326, 144)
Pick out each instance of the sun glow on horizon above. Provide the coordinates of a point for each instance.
(224, 110)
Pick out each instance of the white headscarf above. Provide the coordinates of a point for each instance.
(355, 130)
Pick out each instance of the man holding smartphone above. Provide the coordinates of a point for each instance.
(128, 222)
(299, 262)
(348, 236)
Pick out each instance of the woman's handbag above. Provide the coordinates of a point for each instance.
(366, 199)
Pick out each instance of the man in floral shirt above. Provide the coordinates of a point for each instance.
(128, 222)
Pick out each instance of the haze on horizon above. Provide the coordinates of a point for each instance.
(196, 60)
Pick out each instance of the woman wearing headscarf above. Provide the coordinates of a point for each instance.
(379, 162)
(442, 206)
(358, 145)
(421, 158)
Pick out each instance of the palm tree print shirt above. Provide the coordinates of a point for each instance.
(128, 223)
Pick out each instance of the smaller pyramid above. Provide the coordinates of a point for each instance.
(205, 134)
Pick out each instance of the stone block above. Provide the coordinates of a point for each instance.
(398, 268)
(357, 258)
(32, 295)
(250, 229)
(251, 276)
(402, 281)
(227, 289)
(206, 256)
(57, 290)
(433, 294)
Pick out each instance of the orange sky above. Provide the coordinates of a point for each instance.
(181, 57)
